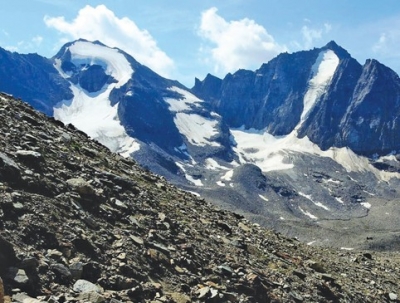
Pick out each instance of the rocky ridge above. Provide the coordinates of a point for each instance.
(81, 224)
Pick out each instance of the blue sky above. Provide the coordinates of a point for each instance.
(183, 39)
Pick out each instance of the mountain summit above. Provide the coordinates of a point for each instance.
(307, 140)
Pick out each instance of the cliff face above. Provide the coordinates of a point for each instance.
(350, 105)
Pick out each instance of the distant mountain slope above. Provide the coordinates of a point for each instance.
(308, 139)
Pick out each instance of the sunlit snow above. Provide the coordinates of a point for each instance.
(92, 112)
(366, 205)
(273, 153)
(228, 176)
(308, 214)
(113, 62)
(197, 129)
(188, 177)
(211, 164)
(323, 70)
(319, 204)
(179, 105)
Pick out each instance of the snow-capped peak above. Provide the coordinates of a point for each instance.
(113, 62)
(92, 112)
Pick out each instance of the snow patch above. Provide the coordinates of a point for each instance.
(197, 129)
(220, 183)
(264, 198)
(196, 182)
(319, 204)
(179, 105)
(228, 176)
(366, 205)
(272, 153)
(94, 115)
(323, 70)
(332, 181)
(114, 63)
(92, 112)
(339, 200)
(347, 248)
(211, 164)
(308, 214)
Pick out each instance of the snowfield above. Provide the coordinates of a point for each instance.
(197, 129)
(92, 112)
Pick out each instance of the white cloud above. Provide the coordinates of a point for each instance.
(11, 48)
(235, 44)
(37, 40)
(100, 23)
(313, 35)
(26, 46)
(381, 45)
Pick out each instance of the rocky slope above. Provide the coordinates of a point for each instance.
(81, 224)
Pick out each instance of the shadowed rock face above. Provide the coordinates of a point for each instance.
(105, 230)
(357, 109)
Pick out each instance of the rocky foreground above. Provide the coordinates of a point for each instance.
(80, 224)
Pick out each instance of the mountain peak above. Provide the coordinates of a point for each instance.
(340, 51)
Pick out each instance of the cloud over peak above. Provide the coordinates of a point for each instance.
(100, 23)
(231, 45)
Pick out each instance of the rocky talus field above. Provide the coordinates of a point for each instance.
(81, 224)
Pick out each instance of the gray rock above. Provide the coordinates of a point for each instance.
(62, 271)
(92, 297)
(76, 270)
(392, 296)
(29, 263)
(20, 276)
(83, 286)
(29, 155)
(9, 170)
(24, 298)
(81, 186)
